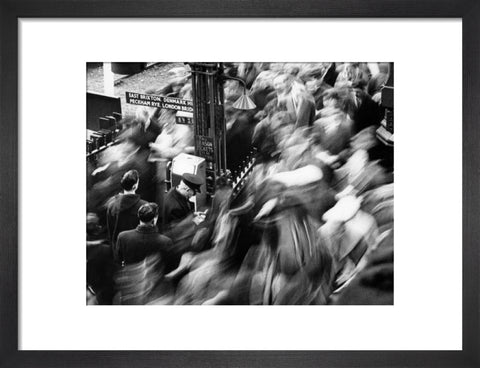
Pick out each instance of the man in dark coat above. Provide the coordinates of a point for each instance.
(177, 204)
(145, 256)
(122, 209)
(135, 245)
(100, 266)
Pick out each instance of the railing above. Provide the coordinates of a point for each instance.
(241, 179)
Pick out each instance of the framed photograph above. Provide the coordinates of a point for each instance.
(150, 64)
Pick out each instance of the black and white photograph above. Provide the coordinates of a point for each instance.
(239, 155)
(240, 183)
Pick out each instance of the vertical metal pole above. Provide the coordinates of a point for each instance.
(211, 112)
(221, 115)
(195, 109)
(209, 119)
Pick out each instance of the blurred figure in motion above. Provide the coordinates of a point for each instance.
(375, 86)
(291, 264)
(314, 79)
(351, 235)
(100, 266)
(262, 91)
(174, 138)
(352, 73)
(176, 86)
(240, 127)
(122, 209)
(355, 77)
(266, 138)
(177, 79)
(206, 277)
(333, 130)
(112, 164)
(248, 72)
(311, 221)
(296, 101)
(267, 252)
(140, 129)
(144, 255)
(373, 284)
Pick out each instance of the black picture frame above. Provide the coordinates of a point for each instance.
(11, 10)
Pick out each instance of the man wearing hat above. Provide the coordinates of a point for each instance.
(177, 204)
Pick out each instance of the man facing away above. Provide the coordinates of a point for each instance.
(122, 209)
(135, 245)
(145, 256)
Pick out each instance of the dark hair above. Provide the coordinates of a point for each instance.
(92, 223)
(129, 179)
(147, 212)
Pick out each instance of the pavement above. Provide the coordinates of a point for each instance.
(154, 76)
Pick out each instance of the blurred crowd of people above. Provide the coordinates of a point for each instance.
(313, 224)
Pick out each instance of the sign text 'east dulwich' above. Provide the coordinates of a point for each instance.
(163, 102)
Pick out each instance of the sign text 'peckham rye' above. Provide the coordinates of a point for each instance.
(162, 102)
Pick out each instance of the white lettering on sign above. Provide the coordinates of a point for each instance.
(171, 103)
(140, 102)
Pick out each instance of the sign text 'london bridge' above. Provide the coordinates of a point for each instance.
(163, 102)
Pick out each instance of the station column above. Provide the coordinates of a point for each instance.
(209, 119)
